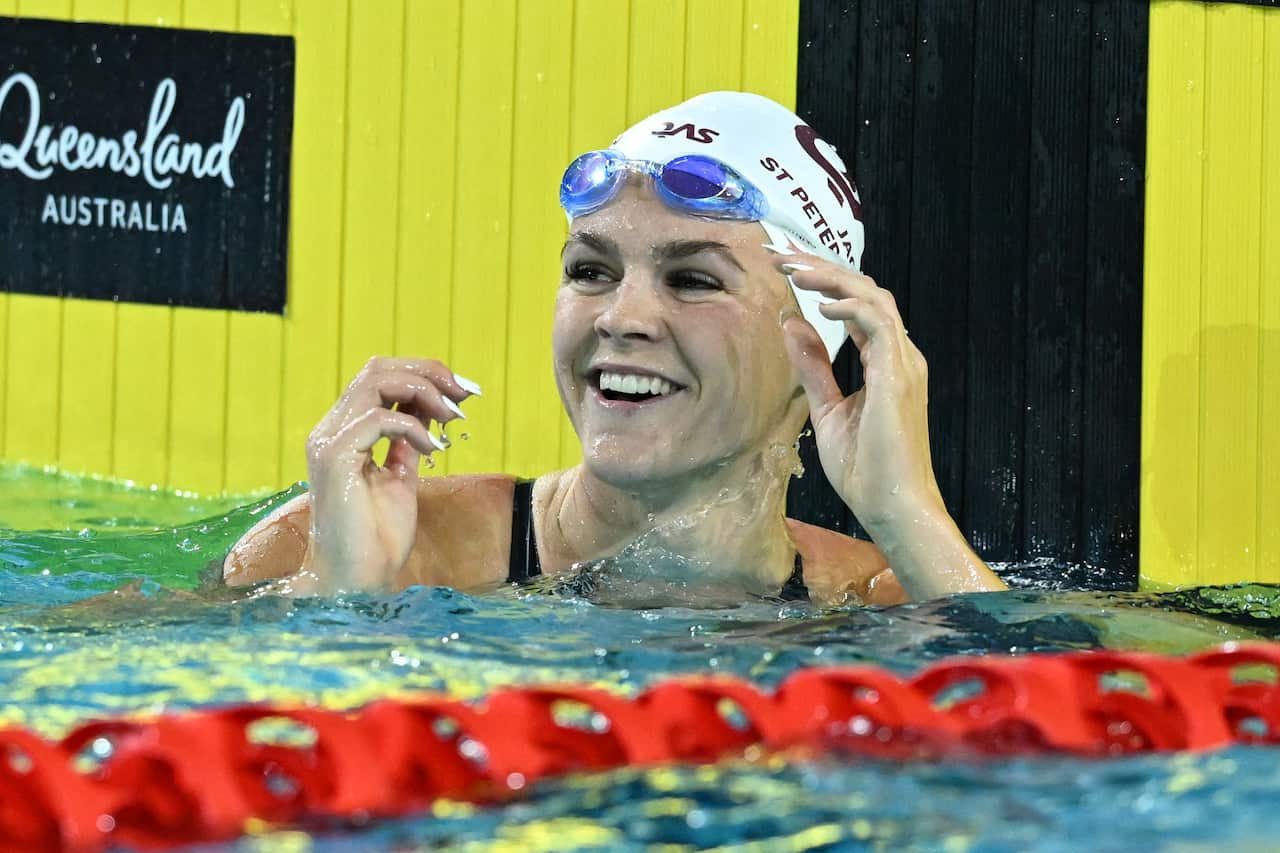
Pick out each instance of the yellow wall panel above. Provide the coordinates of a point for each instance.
(88, 361)
(533, 410)
(655, 63)
(482, 226)
(424, 244)
(34, 343)
(428, 141)
(597, 110)
(86, 390)
(255, 342)
(33, 364)
(375, 44)
(1170, 472)
(1268, 567)
(253, 416)
(1229, 294)
(713, 46)
(771, 32)
(1211, 361)
(144, 348)
(198, 402)
(311, 381)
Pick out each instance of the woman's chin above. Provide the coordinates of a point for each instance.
(619, 467)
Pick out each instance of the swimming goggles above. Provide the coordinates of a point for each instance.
(691, 183)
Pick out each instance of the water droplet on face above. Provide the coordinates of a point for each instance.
(466, 436)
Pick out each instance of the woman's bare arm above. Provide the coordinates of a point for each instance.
(462, 537)
(272, 548)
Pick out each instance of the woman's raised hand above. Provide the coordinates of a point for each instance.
(874, 443)
(364, 516)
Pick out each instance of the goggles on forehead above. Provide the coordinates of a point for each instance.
(691, 183)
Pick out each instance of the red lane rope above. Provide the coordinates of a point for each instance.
(207, 775)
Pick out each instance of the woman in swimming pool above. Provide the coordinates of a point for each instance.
(708, 279)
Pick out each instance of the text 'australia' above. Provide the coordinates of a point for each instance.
(114, 213)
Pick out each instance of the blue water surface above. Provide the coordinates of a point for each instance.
(71, 649)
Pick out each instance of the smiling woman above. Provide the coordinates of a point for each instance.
(709, 277)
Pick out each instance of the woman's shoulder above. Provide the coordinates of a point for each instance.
(462, 516)
(837, 566)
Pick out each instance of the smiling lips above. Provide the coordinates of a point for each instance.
(614, 387)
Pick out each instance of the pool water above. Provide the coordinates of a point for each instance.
(71, 649)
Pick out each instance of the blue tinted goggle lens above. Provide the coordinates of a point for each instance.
(589, 182)
(691, 183)
(694, 178)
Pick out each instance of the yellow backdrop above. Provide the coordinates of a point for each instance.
(1211, 303)
(429, 136)
(428, 144)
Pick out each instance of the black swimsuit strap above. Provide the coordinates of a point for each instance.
(524, 563)
(794, 589)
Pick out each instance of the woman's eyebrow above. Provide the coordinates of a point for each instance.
(602, 244)
(678, 249)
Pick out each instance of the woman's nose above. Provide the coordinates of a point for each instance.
(635, 311)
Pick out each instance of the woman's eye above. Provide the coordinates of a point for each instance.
(587, 272)
(694, 281)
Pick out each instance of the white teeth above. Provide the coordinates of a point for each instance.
(630, 383)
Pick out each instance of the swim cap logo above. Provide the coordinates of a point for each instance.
(691, 132)
(839, 182)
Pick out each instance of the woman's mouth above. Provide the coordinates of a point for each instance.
(618, 389)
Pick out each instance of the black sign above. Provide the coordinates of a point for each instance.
(144, 164)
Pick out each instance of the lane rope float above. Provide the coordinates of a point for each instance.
(208, 775)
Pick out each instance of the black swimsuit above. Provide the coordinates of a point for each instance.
(525, 564)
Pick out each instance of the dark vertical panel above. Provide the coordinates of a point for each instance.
(998, 147)
(882, 158)
(938, 316)
(1113, 296)
(1056, 271)
(826, 96)
(997, 276)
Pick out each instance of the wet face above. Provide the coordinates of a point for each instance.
(668, 343)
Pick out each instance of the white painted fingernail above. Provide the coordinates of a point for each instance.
(453, 407)
(440, 445)
(776, 249)
(467, 385)
(797, 268)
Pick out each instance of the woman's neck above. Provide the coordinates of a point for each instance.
(726, 523)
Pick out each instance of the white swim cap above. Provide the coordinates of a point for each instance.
(812, 199)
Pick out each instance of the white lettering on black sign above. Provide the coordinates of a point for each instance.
(144, 164)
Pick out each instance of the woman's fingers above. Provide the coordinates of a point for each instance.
(407, 382)
(402, 457)
(841, 283)
(359, 436)
(809, 356)
(866, 321)
(457, 388)
(869, 312)
(424, 398)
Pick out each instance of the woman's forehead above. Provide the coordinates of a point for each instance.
(637, 218)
